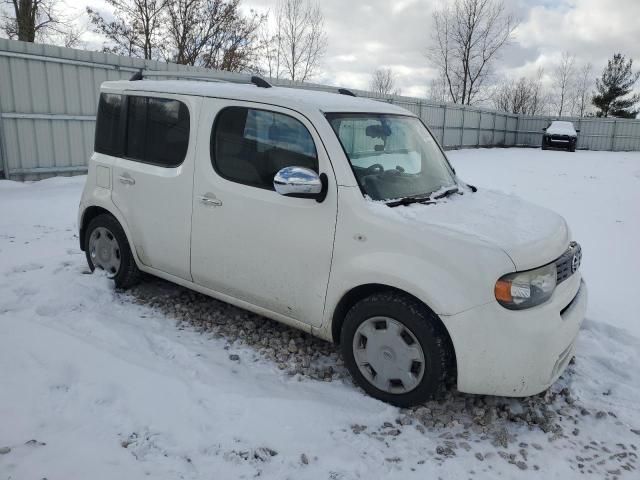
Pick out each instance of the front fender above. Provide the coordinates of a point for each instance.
(446, 291)
(448, 271)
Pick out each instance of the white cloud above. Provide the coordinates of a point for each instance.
(369, 34)
(592, 30)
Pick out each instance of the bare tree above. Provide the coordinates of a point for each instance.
(301, 38)
(563, 82)
(584, 85)
(467, 39)
(234, 44)
(188, 31)
(539, 98)
(271, 47)
(523, 96)
(136, 28)
(437, 90)
(212, 33)
(71, 37)
(383, 82)
(512, 97)
(31, 20)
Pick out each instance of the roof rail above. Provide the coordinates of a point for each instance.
(188, 75)
(256, 80)
(344, 91)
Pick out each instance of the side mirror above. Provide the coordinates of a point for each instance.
(301, 182)
(577, 130)
(544, 129)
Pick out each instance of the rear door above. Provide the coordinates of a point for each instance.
(248, 241)
(153, 179)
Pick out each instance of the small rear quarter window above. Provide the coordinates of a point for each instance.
(167, 135)
(157, 131)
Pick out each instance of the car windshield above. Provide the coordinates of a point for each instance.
(561, 127)
(392, 156)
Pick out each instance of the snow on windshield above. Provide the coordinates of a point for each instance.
(561, 128)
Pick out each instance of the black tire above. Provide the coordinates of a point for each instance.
(544, 147)
(128, 273)
(423, 324)
(572, 149)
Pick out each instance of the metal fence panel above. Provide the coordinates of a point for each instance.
(486, 128)
(530, 130)
(434, 116)
(595, 134)
(628, 136)
(469, 128)
(48, 102)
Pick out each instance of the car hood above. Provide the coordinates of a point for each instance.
(530, 235)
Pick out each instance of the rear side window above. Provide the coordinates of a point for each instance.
(250, 146)
(147, 129)
(109, 126)
(157, 131)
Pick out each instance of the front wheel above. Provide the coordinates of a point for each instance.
(107, 248)
(395, 349)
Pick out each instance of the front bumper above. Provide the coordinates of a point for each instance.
(559, 141)
(517, 353)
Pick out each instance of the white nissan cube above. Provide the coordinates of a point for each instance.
(339, 216)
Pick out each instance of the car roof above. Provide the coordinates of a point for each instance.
(294, 98)
(562, 122)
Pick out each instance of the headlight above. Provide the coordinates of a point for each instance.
(520, 290)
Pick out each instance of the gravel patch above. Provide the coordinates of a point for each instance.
(291, 350)
(484, 427)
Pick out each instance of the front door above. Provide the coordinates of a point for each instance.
(248, 241)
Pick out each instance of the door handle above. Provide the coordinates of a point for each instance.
(210, 201)
(126, 180)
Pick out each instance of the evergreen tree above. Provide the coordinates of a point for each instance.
(617, 81)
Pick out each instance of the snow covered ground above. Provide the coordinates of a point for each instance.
(164, 383)
(598, 193)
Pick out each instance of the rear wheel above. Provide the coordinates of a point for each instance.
(106, 248)
(395, 349)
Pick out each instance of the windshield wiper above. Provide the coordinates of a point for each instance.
(427, 199)
(409, 200)
(447, 192)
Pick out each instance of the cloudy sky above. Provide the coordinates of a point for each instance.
(367, 34)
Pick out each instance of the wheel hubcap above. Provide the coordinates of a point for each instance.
(105, 251)
(388, 355)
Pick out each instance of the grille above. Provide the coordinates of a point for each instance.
(565, 265)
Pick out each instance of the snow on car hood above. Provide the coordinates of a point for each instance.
(561, 128)
(531, 235)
